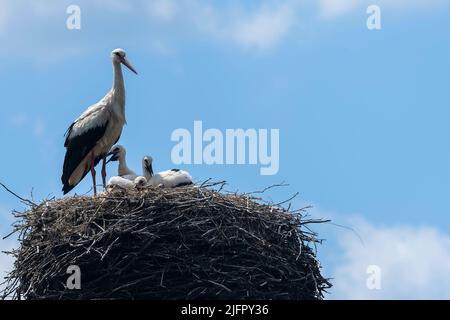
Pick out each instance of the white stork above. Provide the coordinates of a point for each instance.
(118, 153)
(90, 137)
(169, 179)
(137, 183)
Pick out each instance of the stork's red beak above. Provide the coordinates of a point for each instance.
(128, 64)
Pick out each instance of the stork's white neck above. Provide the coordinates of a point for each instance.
(118, 84)
(123, 168)
(147, 174)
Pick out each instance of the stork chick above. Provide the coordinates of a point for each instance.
(137, 183)
(118, 153)
(169, 179)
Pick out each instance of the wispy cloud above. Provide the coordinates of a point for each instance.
(22, 121)
(333, 8)
(4, 14)
(163, 9)
(18, 120)
(6, 261)
(259, 26)
(119, 6)
(264, 29)
(39, 127)
(36, 129)
(414, 263)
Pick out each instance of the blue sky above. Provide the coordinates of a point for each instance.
(363, 115)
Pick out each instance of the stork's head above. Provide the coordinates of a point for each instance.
(140, 182)
(147, 167)
(117, 153)
(118, 56)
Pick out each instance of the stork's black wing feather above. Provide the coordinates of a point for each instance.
(78, 147)
(67, 134)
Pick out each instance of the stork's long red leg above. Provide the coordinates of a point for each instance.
(104, 172)
(93, 173)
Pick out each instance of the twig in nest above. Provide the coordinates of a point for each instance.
(25, 201)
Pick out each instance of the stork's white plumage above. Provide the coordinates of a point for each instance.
(138, 182)
(169, 179)
(90, 137)
(119, 153)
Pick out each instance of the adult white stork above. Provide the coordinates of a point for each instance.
(118, 153)
(90, 137)
(169, 179)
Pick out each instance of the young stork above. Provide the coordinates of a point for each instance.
(169, 179)
(90, 137)
(118, 153)
(137, 183)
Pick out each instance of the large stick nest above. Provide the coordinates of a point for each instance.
(184, 243)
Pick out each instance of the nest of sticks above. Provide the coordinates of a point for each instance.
(194, 242)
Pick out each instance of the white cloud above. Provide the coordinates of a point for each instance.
(261, 28)
(264, 29)
(414, 262)
(6, 217)
(18, 119)
(21, 121)
(330, 8)
(39, 127)
(43, 8)
(120, 6)
(4, 13)
(162, 9)
(6, 261)
(333, 8)
(252, 26)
